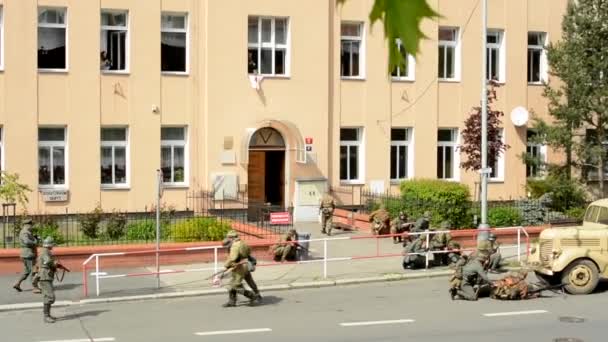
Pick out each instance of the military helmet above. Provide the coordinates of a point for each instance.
(232, 234)
(27, 220)
(48, 242)
(483, 255)
(492, 237)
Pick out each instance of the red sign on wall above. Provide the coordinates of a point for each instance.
(308, 140)
(280, 218)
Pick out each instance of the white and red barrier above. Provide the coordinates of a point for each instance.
(99, 275)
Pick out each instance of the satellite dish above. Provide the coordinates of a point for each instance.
(519, 116)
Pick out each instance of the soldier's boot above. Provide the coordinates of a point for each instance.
(17, 286)
(47, 314)
(253, 298)
(50, 315)
(453, 293)
(231, 299)
(323, 231)
(36, 289)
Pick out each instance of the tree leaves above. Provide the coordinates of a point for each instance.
(401, 20)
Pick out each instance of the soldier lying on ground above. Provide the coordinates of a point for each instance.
(515, 287)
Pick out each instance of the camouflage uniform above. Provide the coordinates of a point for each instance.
(492, 248)
(327, 210)
(442, 242)
(239, 252)
(48, 265)
(511, 287)
(399, 225)
(28, 254)
(416, 260)
(286, 248)
(473, 276)
(380, 221)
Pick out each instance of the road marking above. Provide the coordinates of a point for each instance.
(103, 339)
(228, 332)
(397, 321)
(515, 313)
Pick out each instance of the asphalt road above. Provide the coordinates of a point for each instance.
(418, 310)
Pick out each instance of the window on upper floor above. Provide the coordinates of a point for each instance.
(537, 59)
(352, 53)
(52, 38)
(400, 153)
(498, 169)
(173, 155)
(114, 50)
(537, 155)
(1, 38)
(52, 156)
(447, 159)
(404, 71)
(174, 42)
(448, 53)
(351, 141)
(495, 67)
(114, 157)
(268, 46)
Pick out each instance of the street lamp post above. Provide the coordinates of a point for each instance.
(484, 125)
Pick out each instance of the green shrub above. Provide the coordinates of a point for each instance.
(504, 217)
(89, 223)
(565, 193)
(199, 229)
(446, 201)
(115, 228)
(144, 230)
(48, 226)
(575, 213)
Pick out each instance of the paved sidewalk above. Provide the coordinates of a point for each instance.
(267, 276)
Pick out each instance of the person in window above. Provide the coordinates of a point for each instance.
(251, 64)
(104, 61)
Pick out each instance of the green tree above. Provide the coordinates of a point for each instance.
(401, 20)
(578, 101)
(11, 191)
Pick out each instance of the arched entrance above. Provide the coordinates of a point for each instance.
(266, 168)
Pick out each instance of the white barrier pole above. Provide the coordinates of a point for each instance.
(97, 274)
(214, 260)
(519, 244)
(426, 256)
(325, 259)
(158, 194)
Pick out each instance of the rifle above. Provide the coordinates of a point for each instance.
(540, 288)
(226, 270)
(63, 269)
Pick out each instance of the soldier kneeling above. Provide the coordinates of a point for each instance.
(468, 279)
(286, 249)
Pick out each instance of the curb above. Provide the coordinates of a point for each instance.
(209, 292)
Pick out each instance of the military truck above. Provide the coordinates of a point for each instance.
(576, 255)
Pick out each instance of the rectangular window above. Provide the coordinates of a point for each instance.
(537, 63)
(174, 42)
(114, 52)
(495, 69)
(537, 154)
(51, 157)
(351, 59)
(114, 157)
(448, 53)
(267, 42)
(173, 155)
(1, 38)
(52, 38)
(350, 148)
(446, 153)
(400, 154)
(498, 168)
(404, 71)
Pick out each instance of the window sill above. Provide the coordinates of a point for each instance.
(175, 73)
(496, 180)
(352, 78)
(352, 182)
(115, 187)
(52, 187)
(448, 80)
(53, 71)
(176, 186)
(403, 79)
(398, 181)
(115, 72)
(269, 76)
(536, 84)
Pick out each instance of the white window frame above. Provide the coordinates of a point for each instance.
(52, 145)
(1, 38)
(185, 30)
(456, 153)
(456, 46)
(411, 66)
(178, 143)
(113, 144)
(362, 47)
(543, 67)
(360, 156)
(500, 46)
(407, 145)
(271, 45)
(500, 162)
(542, 151)
(127, 38)
(65, 26)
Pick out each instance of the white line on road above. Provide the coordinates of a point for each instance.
(397, 321)
(228, 332)
(515, 313)
(103, 339)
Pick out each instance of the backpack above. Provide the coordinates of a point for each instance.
(510, 288)
(456, 278)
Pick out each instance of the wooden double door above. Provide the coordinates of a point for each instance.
(266, 177)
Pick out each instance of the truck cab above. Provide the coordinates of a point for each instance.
(576, 256)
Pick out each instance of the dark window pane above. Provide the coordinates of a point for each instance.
(345, 59)
(165, 163)
(399, 134)
(350, 29)
(51, 48)
(169, 21)
(447, 34)
(393, 162)
(449, 160)
(266, 61)
(113, 49)
(450, 62)
(120, 165)
(58, 165)
(172, 133)
(280, 31)
(279, 62)
(445, 135)
(252, 31)
(402, 162)
(106, 165)
(354, 165)
(178, 164)
(266, 30)
(349, 134)
(534, 38)
(173, 52)
(51, 134)
(441, 69)
(343, 162)
(113, 134)
(440, 162)
(355, 58)
(252, 61)
(44, 165)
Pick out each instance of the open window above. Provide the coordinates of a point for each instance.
(52, 33)
(114, 52)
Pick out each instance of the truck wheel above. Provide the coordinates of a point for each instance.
(547, 279)
(580, 277)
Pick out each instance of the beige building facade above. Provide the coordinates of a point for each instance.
(276, 98)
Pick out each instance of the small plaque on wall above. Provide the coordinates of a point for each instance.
(55, 195)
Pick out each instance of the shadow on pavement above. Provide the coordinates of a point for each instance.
(78, 315)
(67, 286)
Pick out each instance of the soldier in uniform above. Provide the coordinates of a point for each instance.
(422, 223)
(441, 242)
(400, 225)
(286, 248)
(491, 248)
(327, 210)
(48, 265)
(240, 261)
(380, 220)
(474, 276)
(28, 254)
